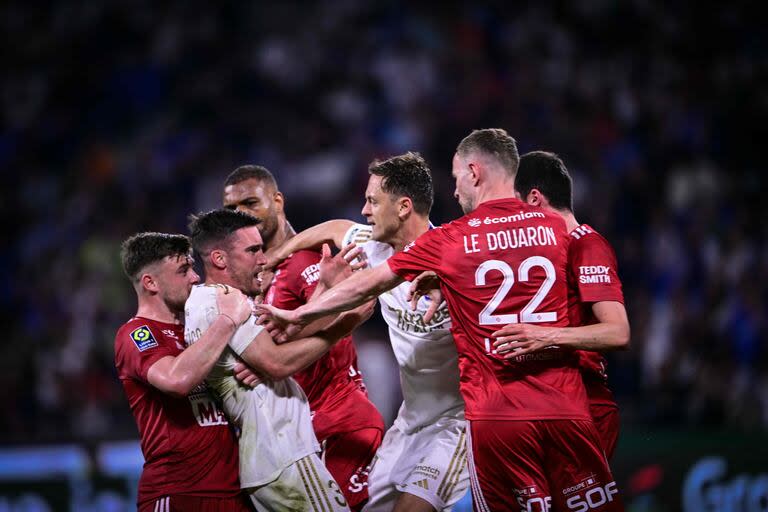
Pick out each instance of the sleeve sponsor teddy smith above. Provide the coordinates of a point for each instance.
(311, 274)
(205, 408)
(594, 274)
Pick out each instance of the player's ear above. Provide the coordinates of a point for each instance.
(474, 172)
(279, 199)
(536, 198)
(404, 207)
(149, 283)
(533, 198)
(218, 259)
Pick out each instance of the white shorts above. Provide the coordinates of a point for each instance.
(304, 486)
(430, 463)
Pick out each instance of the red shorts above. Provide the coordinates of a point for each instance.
(181, 503)
(350, 431)
(348, 457)
(538, 466)
(606, 418)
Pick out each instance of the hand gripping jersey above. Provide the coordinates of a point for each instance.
(273, 417)
(504, 263)
(187, 444)
(426, 354)
(592, 277)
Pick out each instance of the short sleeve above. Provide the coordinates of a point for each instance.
(202, 310)
(142, 346)
(424, 253)
(357, 234)
(593, 269)
(244, 335)
(307, 274)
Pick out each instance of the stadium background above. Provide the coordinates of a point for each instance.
(126, 116)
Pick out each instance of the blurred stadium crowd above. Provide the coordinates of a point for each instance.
(126, 116)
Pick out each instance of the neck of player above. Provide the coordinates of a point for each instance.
(155, 308)
(410, 230)
(570, 220)
(284, 233)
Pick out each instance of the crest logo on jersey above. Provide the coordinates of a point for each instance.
(474, 222)
(143, 338)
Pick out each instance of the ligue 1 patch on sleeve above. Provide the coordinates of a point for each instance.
(143, 338)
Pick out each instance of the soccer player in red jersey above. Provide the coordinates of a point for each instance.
(533, 443)
(189, 449)
(595, 298)
(346, 423)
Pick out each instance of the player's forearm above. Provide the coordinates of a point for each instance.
(193, 365)
(331, 231)
(597, 337)
(290, 358)
(315, 327)
(293, 359)
(358, 289)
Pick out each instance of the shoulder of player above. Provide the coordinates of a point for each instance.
(144, 334)
(201, 296)
(585, 234)
(357, 234)
(299, 260)
(584, 239)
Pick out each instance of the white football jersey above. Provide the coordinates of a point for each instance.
(426, 353)
(273, 417)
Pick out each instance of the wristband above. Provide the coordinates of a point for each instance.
(230, 319)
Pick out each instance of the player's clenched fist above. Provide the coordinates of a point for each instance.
(233, 304)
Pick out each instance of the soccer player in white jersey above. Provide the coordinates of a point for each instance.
(421, 464)
(279, 465)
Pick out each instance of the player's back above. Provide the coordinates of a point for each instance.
(273, 417)
(504, 263)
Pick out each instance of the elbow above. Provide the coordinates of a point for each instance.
(622, 340)
(182, 386)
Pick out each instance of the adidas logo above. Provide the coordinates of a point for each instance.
(474, 222)
(422, 483)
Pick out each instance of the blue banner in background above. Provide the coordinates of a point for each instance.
(657, 471)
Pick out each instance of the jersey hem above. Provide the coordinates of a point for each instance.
(276, 474)
(405, 428)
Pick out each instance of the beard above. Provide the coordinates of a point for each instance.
(176, 302)
(247, 282)
(467, 205)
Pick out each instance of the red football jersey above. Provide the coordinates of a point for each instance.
(504, 263)
(335, 375)
(187, 444)
(592, 277)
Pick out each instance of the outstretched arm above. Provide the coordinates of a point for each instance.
(332, 231)
(610, 333)
(361, 287)
(278, 361)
